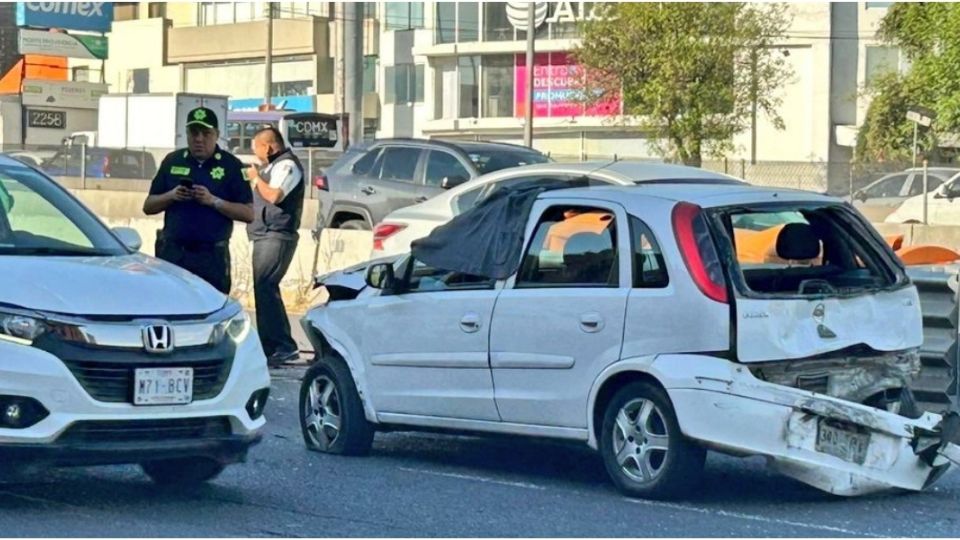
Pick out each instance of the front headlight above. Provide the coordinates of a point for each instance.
(20, 328)
(238, 327)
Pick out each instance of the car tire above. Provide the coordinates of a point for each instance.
(355, 225)
(653, 459)
(332, 420)
(182, 471)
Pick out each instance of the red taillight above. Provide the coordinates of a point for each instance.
(699, 253)
(383, 231)
(320, 182)
(106, 165)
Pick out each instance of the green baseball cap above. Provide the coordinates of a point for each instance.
(202, 116)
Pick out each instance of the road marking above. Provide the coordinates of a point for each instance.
(751, 517)
(474, 478)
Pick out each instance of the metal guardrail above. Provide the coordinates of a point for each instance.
(936, 388)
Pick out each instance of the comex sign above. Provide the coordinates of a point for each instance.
(518, 13)
(89, 16)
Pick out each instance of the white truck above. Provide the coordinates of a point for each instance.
(155, 123)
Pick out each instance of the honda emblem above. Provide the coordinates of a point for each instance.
(158, 339)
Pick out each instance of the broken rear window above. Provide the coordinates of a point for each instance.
(807, 251)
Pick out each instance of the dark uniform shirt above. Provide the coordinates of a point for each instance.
(190, 221)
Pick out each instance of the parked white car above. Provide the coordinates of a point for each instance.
(108, 356)
(943, 206)
(883, 196)
(400, 228)
(626, 318)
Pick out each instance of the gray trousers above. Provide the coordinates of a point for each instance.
(271, 259)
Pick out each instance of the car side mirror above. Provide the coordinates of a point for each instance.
(947, 191)
(129, 237)
(449, 182)
(860, 196)
(380, 276)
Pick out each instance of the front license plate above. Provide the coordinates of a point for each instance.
(163, 386)
(844, 443)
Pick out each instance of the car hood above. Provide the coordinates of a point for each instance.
(128, 285)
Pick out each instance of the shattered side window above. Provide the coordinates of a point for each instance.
(806, 251)
(424, 278)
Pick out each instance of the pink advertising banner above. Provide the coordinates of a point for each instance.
(555, 92)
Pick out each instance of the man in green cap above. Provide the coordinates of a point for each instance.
(201, 190)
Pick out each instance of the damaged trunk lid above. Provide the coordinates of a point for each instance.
(811, 279)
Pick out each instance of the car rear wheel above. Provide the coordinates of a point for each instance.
(355, 225)
(182, 471)
(331, 413)
(642, 447)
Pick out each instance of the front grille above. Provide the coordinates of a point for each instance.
(92, 431)
(113, 381)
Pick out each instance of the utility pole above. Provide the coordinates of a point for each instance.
(268, 63)
(753, 106)
(528, 124)
(353, 68)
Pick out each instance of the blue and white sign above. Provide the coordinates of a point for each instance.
(89, 16)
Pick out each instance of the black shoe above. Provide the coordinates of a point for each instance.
(278, 359)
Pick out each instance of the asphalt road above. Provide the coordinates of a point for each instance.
(433, 485)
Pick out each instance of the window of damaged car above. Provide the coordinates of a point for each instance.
(817, 251)
(649, 268)
(572, 246)
(419, 277)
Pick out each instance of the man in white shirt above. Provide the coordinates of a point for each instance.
(278, 192)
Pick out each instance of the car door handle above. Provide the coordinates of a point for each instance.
(368, 190)
(591, 322)
(470, 323)
(421, 199)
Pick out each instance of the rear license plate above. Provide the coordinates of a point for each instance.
(844, 443)
(163, 386)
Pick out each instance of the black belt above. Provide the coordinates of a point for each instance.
(199, 246)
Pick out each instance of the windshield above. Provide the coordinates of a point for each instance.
(495, 159)
(39, 218)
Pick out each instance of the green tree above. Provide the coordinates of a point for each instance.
(927, 35)
(690, 73)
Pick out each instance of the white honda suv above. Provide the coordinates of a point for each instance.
(651, 322)
(108, 356)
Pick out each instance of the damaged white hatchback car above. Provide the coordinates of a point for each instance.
(652, 322)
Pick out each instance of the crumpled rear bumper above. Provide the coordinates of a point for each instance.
(726, 408)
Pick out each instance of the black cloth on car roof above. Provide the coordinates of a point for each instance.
(487, 240)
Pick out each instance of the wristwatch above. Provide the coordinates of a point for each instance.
(217, 203)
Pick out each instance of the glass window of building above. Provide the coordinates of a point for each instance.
(404, 84)
(468, 21)
(446, 22)
(496, 25)
(403, 15)
(880, 61)
(498, 81)
(370, 73)
(469, 77)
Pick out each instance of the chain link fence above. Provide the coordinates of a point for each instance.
(131, 169)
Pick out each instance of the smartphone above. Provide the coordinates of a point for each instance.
(186, 182)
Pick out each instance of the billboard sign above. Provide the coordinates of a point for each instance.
(87, 16)
(63, 94)
(556, 78)
(61, 44)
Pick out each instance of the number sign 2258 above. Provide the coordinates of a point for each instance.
(47, 119)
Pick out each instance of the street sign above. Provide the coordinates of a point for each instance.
(88, 16)
(914, 116)
(62, 44)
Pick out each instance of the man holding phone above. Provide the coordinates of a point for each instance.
(201, 190)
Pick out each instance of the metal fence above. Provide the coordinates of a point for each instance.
(841, 179)
(129, 169)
